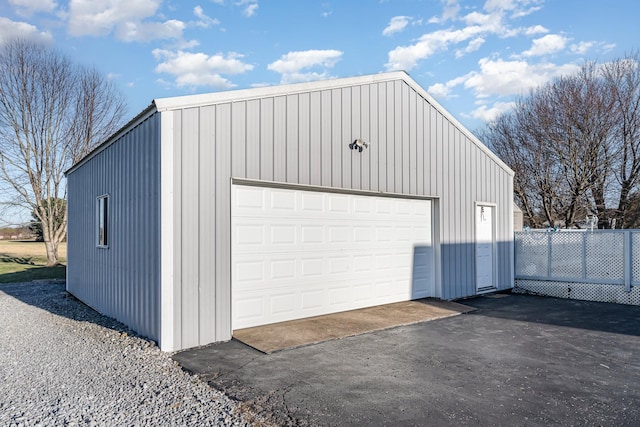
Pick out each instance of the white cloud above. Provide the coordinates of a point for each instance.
(396, 25)
(147, 31)
(124, 17)
(199, 69)
(29, 7)
(487, 114)
(498, 78)
(11, 29)
(476, 26)
(473, 46)
(518, 8)
(407, 57)
(204, 21)
(536, 29)
(508, 78)
(249, 7)
(449, 12)
(582, 47)
(548, 44)
(440, 90)
(291, 64)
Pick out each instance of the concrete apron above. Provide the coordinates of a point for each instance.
(313, 330)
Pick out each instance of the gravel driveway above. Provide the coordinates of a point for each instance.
(61, 363)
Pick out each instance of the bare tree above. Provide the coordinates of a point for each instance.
(622, 79)
(52, 113)
(577, 146)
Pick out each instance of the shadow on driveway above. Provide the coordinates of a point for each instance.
(594, 316)
(517, 360)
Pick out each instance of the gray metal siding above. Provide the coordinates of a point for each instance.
(122, 281)
(302, 138)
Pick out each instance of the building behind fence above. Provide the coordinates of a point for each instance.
(598, 265)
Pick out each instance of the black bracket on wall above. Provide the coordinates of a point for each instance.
(359, 144)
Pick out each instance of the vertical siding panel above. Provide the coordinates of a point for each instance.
(223, 223)
(454, 195)
(420, 144)
(412, 160)
(406, 120)
(207, 231)
(469, 208)
(155, 224)
(292, 140)
(449, 171)
(177, 227)
(500, 219)
(365, 128)
(344, 135)
(280, 139)
(390, 121)
(326, 137)
(377, 131)
(435, 162)
(304, 132)
(190, 232)
(137, 214)
(467, 213)
(352, 129)
(332, 165)
(315, 148)
(382, 145)
(266, 139)
(397, 136)
(239, 147)
(253, 139)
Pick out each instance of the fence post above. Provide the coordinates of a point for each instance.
(549, 247)
(584, 255)
(628, 259)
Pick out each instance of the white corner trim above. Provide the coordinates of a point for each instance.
(166, 234)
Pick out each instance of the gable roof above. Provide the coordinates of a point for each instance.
(198, 100)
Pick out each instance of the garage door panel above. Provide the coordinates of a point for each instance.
(248, 198)
(338, 203)
(340, 296)
(249, 309)
(313, 298)
(282, 304)
(283, 269)
(362, 292)
(304, 253)
(282, 200)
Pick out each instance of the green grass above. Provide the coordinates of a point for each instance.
(22, 261)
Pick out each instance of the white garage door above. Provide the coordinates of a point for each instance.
(299, 253)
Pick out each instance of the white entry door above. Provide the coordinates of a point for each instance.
(485, 248)
(300, 253)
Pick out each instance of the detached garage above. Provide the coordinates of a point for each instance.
(215, 212)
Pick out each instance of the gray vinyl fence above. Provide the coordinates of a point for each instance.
(598, 265)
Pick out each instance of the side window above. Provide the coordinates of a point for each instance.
(103, 221)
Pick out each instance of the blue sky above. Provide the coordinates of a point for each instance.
(474, 57)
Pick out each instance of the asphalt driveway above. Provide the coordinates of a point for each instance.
(516, 360)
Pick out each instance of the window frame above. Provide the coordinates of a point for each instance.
(102, 221)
